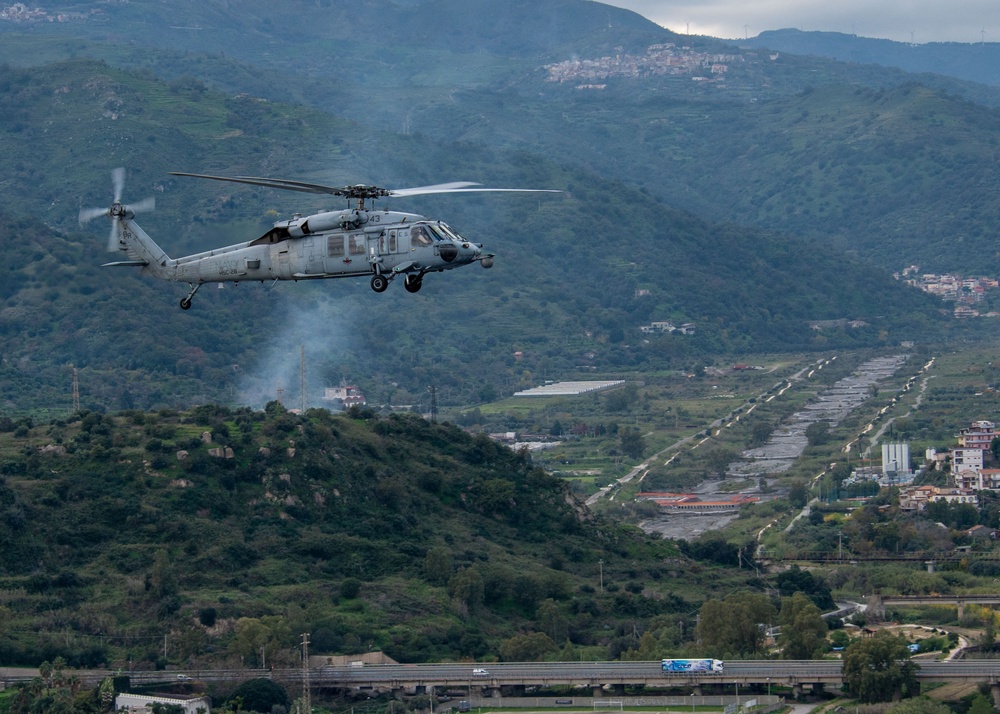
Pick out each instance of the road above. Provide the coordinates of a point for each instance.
(585, 674)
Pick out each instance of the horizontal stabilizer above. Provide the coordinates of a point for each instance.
(126, 264)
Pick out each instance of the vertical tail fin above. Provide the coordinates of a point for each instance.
(126, 236)
(138, 246)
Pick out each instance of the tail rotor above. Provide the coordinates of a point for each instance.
(117, 211)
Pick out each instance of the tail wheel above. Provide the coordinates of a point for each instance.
(379, 283)
(413, 283)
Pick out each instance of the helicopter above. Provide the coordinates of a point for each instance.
(358, 241)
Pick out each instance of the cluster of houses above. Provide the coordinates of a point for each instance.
(965, 291)
(968, 472)
(19, 12)
(658, 60)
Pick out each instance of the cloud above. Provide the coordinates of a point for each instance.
(900, 20)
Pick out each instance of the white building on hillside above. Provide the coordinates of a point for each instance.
(142, 703)
(964, 458)
(896, 462)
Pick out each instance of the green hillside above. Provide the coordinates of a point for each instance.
(891, 166)
(394, 534)
(577, 274)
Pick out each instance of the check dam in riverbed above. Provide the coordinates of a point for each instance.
(789, 440)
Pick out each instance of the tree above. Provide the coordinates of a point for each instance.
(254, 638)
(877, 668)
(760, 432)
(798, 494)
(818, 433)
(530, 647)
(350, 588)
(632, 443)
(719, 459)
(259, 695)
(840, 639)
(437, 565)
(550, 618)
(795, 579)
(981, 705)
(466, 588)
(989, 636)
(736, 625)
(803, 630)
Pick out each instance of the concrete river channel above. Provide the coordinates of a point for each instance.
(786, 444)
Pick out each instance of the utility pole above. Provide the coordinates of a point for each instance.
(434, 404)
(306, 694)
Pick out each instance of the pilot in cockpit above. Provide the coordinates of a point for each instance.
(419, 235)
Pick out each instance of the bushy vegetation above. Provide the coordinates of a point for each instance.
(389, 533)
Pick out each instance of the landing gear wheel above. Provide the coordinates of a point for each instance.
(186, 302)
(412, 284)
(379, 283)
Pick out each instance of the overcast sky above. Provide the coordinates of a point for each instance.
(901, 20)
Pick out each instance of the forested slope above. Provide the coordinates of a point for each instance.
(577, 273)
(370, 533)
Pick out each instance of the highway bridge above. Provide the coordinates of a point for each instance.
(514, 677)
(878, 603)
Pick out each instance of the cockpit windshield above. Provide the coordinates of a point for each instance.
(447, 230)
(436, 231)
(429, 233)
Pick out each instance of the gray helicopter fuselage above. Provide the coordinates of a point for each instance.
(354, 242)
(335, 244)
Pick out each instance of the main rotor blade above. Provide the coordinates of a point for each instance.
(418, 191)
(360, 190)
(270, 183)
(436, 188)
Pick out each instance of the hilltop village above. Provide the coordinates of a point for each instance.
(19, 12)
(665, 59)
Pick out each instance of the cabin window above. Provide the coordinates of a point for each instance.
(420, 236)
(357, 244)
(335, 245)
(392, 241)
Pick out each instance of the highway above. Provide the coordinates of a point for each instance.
(593, 675)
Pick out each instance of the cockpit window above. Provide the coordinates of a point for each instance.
(437, 232)
(419, 235)
(447, 230)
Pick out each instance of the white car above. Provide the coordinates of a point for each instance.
(480, 673)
